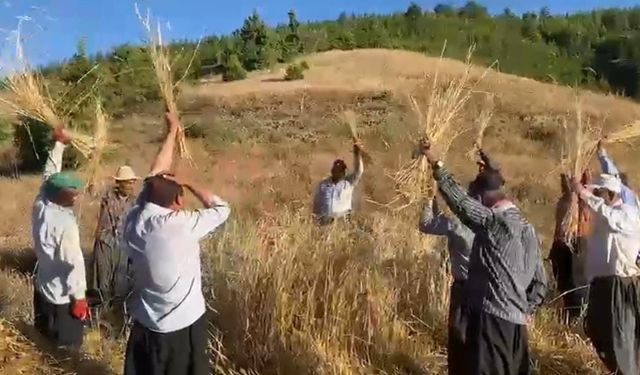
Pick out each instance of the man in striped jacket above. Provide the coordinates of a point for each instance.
(506, 281)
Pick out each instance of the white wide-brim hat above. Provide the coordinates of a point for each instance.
(607, 181)
(125, 173)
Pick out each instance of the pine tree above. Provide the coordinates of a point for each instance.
(292, 44)
(255, 40)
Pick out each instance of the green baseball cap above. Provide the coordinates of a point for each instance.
(63, 180)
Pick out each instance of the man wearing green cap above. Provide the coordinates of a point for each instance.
(59, 300)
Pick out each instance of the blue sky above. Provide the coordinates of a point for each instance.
(55, 26)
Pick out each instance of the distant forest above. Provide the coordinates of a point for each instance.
(599, 49)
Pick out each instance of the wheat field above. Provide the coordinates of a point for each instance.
(285, 297)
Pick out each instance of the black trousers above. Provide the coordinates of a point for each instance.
(495, 346)
(56, 322)
(457, 331)
(182, 352)
(562, 259)
(613, 322)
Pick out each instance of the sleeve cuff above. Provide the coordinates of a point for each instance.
(217, 201)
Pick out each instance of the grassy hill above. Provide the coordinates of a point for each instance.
(370, 297)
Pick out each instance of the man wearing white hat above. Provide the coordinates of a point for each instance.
(110, 263)
(613, 315)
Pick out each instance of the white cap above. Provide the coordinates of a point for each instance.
(607, 181)
(125, 173)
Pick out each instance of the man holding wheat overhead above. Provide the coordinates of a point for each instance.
(613, 315)
(334, 195)
(506, 281)
(459, 241)
(59, 302)
(169, 335)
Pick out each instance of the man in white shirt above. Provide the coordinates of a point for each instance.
(60, 306)
(334, 195)
(169, 335)
(613, 315)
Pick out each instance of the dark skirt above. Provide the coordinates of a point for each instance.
(183, 352)
(495, 346)
(56, 322)
(562, 262)
(613, 323)
(456, 331)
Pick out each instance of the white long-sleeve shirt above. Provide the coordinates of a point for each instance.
(61, 270)
(335, 199)
(612, 247)
(164, 250)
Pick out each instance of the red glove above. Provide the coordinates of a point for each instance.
(80, 309)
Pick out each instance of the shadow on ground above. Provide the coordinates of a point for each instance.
(72, 363)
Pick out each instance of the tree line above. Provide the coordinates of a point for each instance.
(598, 49)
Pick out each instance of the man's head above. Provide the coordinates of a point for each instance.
(607, 187)
(338, 170)
(63, 189)
(487, 187)
(125, 180)
(164, 192)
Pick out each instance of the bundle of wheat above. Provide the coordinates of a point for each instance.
(29, 97)
(624, 135)
(438, 123)
(100, 133)
(580, 145)
(161, 60)
(351, 119)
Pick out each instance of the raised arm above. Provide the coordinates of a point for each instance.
(204, 221)
(470, 211)
(606, 162)
(433, 221)
(617, 220)
(488, 162)
(164, 158)
(358, 166)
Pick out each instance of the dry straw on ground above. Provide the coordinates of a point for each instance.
(437, 116)
(162, 66)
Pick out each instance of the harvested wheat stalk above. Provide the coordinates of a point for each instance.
(28, 99)
(482, 123)
(100, 138)
(581, 140)
(351, 119)
(161, 60)
(437, 120)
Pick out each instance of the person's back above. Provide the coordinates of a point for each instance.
(501, 268)
(165, 253)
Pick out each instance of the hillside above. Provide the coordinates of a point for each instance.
(278, 283)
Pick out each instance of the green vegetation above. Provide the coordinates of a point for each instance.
(598, 49)
(295, 71)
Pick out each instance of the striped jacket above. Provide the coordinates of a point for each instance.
(506, 274)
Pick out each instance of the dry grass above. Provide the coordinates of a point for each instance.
(162, 66)
(351, 119)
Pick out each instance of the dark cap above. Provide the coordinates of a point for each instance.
(487, 180)
(339, 163)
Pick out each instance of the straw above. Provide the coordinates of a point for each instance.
(351, 119)
(100, 134)
(29, 98)
(437, 120)
(161, 60)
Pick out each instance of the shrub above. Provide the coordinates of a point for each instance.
(195, 130)
(234, 71)
(32, 140)
(295, 71)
